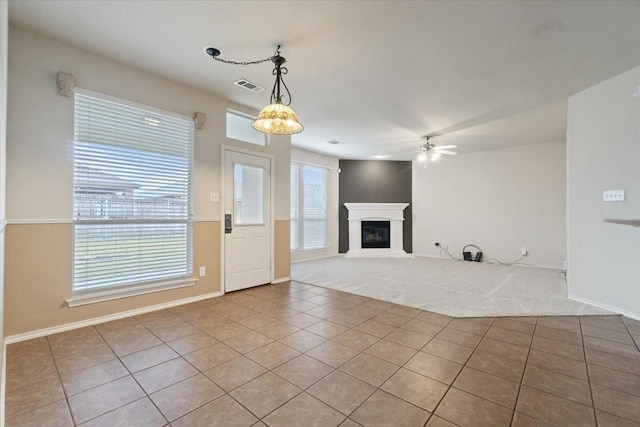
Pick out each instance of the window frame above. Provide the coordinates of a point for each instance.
(265, 137)
(114, 291)
(300, 218)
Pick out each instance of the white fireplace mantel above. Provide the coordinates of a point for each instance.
(392, 212)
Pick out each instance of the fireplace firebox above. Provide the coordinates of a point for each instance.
(376, 234)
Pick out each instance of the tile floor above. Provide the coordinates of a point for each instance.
(298, 355)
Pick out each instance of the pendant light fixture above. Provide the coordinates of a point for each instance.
(277, 118)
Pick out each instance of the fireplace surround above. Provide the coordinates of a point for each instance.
(373, 215)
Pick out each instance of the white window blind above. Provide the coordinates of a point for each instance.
(308, 207)
(295, 207)
(132, 195)
(315, 207)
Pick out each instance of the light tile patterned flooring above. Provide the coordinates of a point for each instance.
(298, 355)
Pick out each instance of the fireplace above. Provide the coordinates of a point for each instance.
(375, 230)
(376, 234)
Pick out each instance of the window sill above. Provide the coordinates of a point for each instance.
(108, 295)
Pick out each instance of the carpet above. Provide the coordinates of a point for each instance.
(455, 288)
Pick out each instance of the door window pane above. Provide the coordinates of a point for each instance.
(248, 189)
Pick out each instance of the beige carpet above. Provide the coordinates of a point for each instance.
(455, 288)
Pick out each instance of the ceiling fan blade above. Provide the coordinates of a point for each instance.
(448, 153)
(446, 147)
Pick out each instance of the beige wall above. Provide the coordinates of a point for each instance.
(38, 274)
(282, 253)
(40, 179)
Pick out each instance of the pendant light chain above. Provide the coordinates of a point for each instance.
(243, 62)
(277, 118)
(215, 53)
(278, 71)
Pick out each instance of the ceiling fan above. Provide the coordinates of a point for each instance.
(429, 151)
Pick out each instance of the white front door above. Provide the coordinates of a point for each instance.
(247, 209)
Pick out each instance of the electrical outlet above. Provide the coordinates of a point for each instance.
(613, 196)
(203, 271)
(523, 251)
(214, 197)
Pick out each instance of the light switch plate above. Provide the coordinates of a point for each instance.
(613, 196)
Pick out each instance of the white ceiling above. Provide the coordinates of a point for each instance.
(375, 75)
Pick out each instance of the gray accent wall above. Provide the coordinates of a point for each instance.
(374, 181)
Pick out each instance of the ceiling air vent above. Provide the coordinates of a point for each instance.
(249, 86)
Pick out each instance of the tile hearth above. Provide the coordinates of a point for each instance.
(294, 354)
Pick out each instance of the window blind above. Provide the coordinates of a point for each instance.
(132, 199)
(308, 207)
(315, 207)
(295, 207)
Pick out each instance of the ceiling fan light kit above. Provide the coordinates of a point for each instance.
(277, 118)
(431, 152)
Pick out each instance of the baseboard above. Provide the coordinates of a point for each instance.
(280, 280)
(103, 319)
(524, 264)
(429, 256)
(634, 316)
